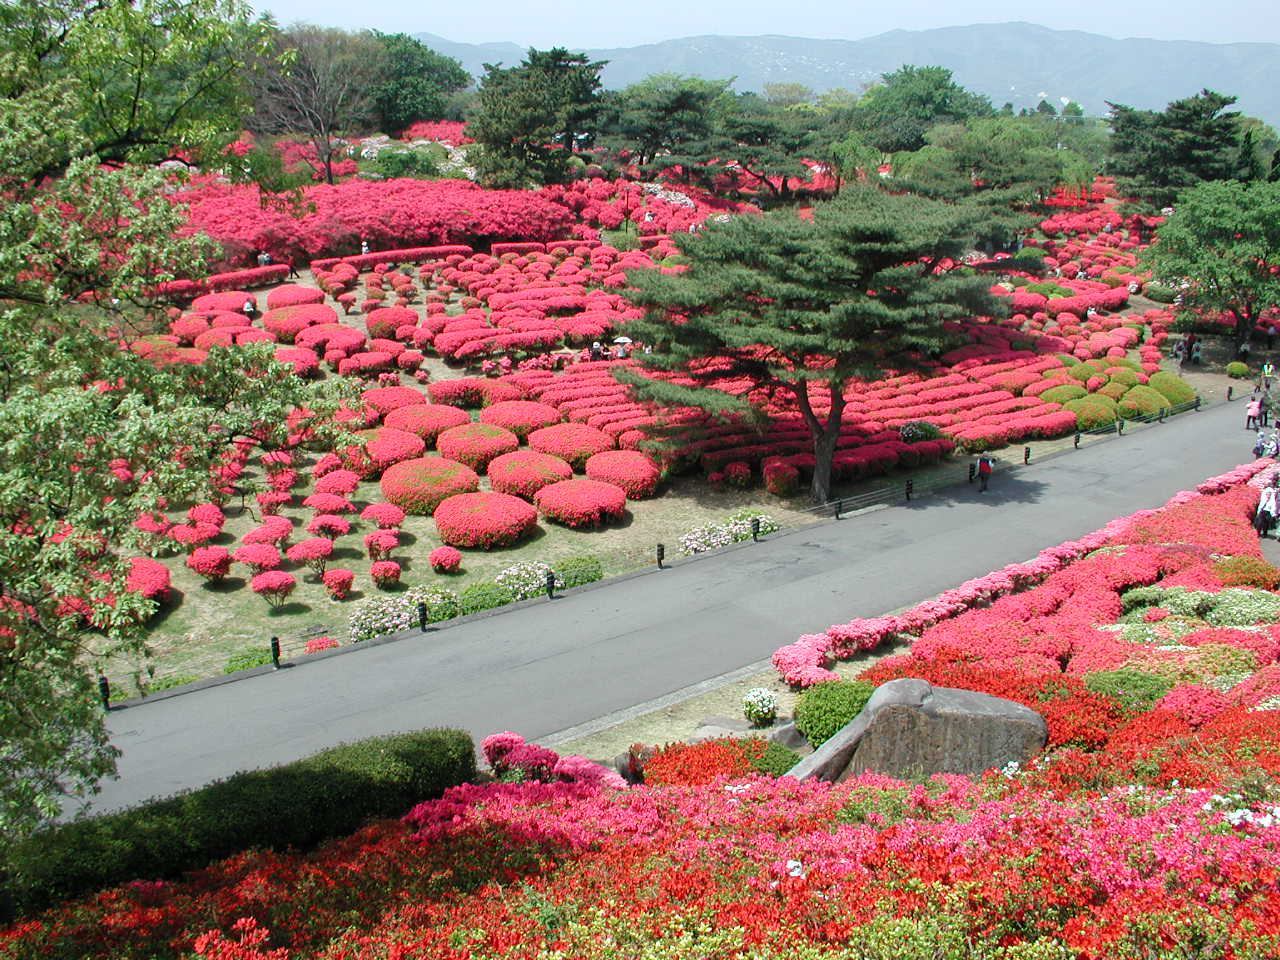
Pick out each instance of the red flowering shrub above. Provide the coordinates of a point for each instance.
(523, 473)
(257, 556)
(287, 322)
(329, 525)
(212, 563)
(329, 503)
(383, 447)
(484, 520)
(419, 485)
(385, 321)
(383, 515)
(314, 553)
(337, 481)
(631, 470)
(386, 399)
(334, 336)
(427, 420)
(292, 295)
(581, 502)
(475, 444)
(148, 578)
(445, 560)
(209, 513)
(229, 301)
(521, 417)
(473, 392)
(365, 364)
(316, 644)
(693, 764)
(275, 530)
(338, 582)
(385, 573)
(781, 479)
(274, 586)
(380, 543)
(572, 442)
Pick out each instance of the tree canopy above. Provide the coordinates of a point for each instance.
(895, 114)
(799, 310)
(415, 82)
(1224, 241)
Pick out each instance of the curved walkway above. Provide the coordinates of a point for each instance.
(547, 666)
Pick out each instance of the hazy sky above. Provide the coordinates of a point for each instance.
(602, 23)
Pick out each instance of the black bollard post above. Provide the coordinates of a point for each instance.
(755, 529)
(104, 691)
(662, 552)
(911, 488)
(275, 653)
(973, 472)
(422, 617)
(1026, 455)
(1120, 428)
(1163, 410)
(1077, 439)
(551, 584)
(835, 509)
(1230, 390)
(1197, 406)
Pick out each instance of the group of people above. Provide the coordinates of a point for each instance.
(1188, 350)
(1264, 520)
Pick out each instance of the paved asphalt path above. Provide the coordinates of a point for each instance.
(554, 664)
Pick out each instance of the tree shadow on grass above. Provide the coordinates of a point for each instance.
(225, 585)
(172, 602)
(289, 609)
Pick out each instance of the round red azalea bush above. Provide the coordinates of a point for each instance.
(316, 644)
(273, 585)
(212, 563)
(521, 417)
(484, 520)
(338, 582)
(386, 399)
(427, 420)
(524, 472)
(631, 470)
(207, 513)
(475, 444)
(384, 446)
(275, 530)
(149, 578)
(229, 301)
(257, 556)
(473, 391)
(329, 525)
(340, 482)
(692, 764)
(445, 560)
(287, 322)
(385, 573)
(383, 515)
(581, 502)
(329, 503)
(292, 295)
(313, 553)
(191, 535)
(418, 486)
(574, 443)
(385, 321)
(380, 543)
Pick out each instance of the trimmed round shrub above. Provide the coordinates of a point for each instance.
(274, 585)
(293, 295)
(1064, 393)
(427, 420)
(631, 470)
(1081, 372)
(259, 557)
(385, 573)
(340, 482)
(781, 479)
(523, 473)
(212, 563)
(521, 417)
(228, 300)
(1232, 571)
(329, 503)
(418, 486)
(385, 516)
(331, 336)
(338, 582)
(313, 553)
(445, 560)
(1237, 370)
(475, 444)
(287, 322)
(484, 520)
(1172, 387)
(329, 525)
(575, 443)
(385, 321)
(1142, 401)
(383, 447)
(1122, 375)
(825, 708)
(916, 431)
(380, 543)
(386, 399)
(1092, 412)
(473, 392)
(581, 502)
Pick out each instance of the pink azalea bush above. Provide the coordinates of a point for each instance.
(274, 586)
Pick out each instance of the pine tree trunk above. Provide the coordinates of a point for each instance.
(824, 450)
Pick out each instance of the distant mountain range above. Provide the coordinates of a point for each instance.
(1014, 63)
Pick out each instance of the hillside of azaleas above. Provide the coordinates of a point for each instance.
(1149, 826)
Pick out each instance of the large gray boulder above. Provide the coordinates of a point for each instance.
(910, 728)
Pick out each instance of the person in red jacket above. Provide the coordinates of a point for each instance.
(985, 467)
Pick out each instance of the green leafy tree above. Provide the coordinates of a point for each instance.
(1154, 155)
(532, 118)
(801, 310)
(662, 114)
(82, 246)
(896, 114)
(1224, 240)
(416, 83)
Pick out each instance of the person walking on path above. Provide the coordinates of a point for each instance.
(1264, 521)
(1260, 443)
(985, 467)
(1264, 408)
(1252, 412)
(1268, 374)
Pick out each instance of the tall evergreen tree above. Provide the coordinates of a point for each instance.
(801, 310)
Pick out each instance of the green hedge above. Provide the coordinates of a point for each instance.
(1092, 412)
(577, 571)
(1159, 293)
(1237, 370)
(1141, 401)
(483, 596)
(298, 805)
(1068, 391)
(826, 707)
(1173, 387)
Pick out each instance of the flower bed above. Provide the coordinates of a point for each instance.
(524, 472)
(426, 420)
(485, 520)
(574, 443)
(383, 447)
(631, 470)
(418, 486)
(581, 502)
(475, 444)
(521, 417)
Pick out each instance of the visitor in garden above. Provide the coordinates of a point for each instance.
(250, 309)
(364, 247)
(1179, 351)
(596, 352)
(1195, 356)
(1268, 374)
(985, 467)
(1243, 352)
(1264, 521)
(1252, 412)
(1264, 412)
(1260, 443)
(293, 270)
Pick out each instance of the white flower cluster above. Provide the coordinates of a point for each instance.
(1229, 805)
(712, 536)
(760, 706)
(668, 195)
(525, 579)
(380, 616)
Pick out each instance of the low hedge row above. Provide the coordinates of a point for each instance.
(296, 805)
